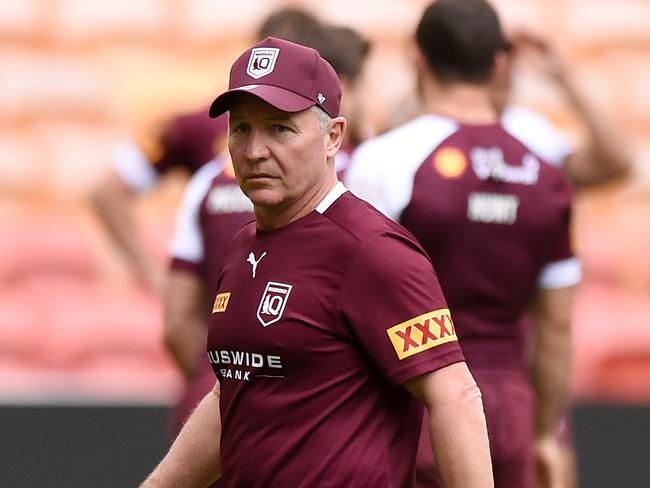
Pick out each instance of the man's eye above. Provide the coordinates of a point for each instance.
(239, 129)
(281, 128)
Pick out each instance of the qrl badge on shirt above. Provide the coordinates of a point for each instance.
(273, 302)
(422, 332)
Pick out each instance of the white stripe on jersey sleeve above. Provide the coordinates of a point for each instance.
(560, 274)
(187, 243)
(538, 134)
(383, 168)
(133, 167)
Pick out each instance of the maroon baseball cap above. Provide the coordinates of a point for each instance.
(287, 75)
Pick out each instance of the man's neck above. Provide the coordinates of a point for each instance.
(270, 218)
(464, 102)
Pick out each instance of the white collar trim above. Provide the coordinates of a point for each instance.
(333, 195)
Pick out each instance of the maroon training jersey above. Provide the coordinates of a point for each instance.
(492, 216)
(213, 209)
(315, 326)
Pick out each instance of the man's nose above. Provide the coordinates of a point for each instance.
(256, 148)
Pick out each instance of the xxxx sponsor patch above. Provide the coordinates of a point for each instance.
(422, 332)
(221, 302)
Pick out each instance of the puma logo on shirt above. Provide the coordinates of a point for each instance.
(253, 262)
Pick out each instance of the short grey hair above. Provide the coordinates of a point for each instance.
(323, 118)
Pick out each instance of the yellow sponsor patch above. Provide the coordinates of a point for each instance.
(422, 332)
(221, 302)
(450, 162)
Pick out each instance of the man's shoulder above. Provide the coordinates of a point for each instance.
(362, 223)
(413, 137)
(538, 133)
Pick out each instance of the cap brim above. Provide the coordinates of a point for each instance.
(280, 98)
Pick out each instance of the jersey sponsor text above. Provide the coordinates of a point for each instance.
(422, 332)
(221, 302)
(488, 162)
(255, 364)
(228, 199)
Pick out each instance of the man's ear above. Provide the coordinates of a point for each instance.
(335, 135)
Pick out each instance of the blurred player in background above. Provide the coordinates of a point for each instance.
(288, 22)
(214, 208)
(186, 142)
(494, 217)
(601, 158)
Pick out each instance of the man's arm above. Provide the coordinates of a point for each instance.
(113, 202)
(185, 314)
(550, 373)
(603, 157)
(457, 426)
(193, 460)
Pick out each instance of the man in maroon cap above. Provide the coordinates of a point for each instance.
(321, 346)
(214, 208)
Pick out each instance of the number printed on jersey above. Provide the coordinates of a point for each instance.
(492, 208)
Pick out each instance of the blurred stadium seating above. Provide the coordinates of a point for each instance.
(77, 75)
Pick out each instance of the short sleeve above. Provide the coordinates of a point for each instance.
(187, 242)
(133, 167)
(561, 268)
(383, 168)
(366, 180)
(538, 134)
(394, 305)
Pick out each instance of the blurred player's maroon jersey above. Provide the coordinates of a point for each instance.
(187, 141)
(493, 217)
(212, 211)
(315, 326)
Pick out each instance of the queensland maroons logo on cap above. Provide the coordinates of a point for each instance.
(262, 61)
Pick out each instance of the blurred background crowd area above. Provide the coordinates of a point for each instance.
(78, 76)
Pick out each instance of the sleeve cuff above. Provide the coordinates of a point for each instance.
(178, 264)
(560, 274)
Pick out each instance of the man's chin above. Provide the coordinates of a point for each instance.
(264, 197)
